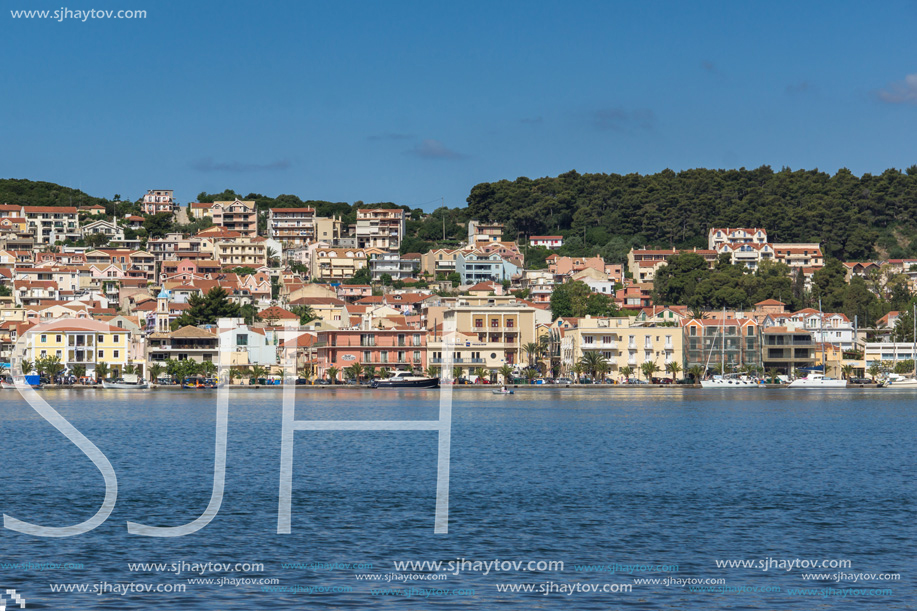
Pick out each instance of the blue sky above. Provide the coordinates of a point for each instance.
(415, 101)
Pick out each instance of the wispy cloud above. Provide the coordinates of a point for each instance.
(800, 87)
(239, 167)
(532, 120)
(434, 149)
(621, 119)
(390, 136)
(900, 92)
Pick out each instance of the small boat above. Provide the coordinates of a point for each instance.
(128, 382)
(503, 391)
(198, 383)
(406, 379)
(900, 382)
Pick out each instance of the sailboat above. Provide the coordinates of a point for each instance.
(816, 379)
(729, 380)
(910, 381)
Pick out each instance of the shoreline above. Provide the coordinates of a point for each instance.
(461, 387)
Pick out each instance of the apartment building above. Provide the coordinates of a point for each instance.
(439, 262)
(291, 226)
(336, 264)
(546, 241)
(237, 215)
(643, 263)
(800, 255)
(158, 200)
(717, 236)
(381, 228)
(489, 335)
(175, 246)
(83, 342)
(398, 267)
(475, 267)
(479, 231)
(187, 343)
(110, 230)
(399, 348)
(50, 224)
(622, 343)
(242, 251)
(787, 349)
(726, 341)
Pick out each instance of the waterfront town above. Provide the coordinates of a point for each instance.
(97, 297)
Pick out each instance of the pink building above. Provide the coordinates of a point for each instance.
(400, 348)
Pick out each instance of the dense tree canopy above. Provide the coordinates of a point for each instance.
(608, 213)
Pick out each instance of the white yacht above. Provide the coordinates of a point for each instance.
(817, 380)
(731, 380)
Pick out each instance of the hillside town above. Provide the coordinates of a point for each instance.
(97, 300)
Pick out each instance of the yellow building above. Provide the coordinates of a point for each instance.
(488, 336)
(242, 251)
(80, 342)
(622, 344)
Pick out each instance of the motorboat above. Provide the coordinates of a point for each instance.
(900, 382)
(128, 382)
(406, 379)
(199, 383)
(730, 381)
(503, 391)
(817, 380)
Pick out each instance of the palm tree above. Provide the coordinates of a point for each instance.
(27, 367)
(432, 372)
(673, 368)
(208, 368)
(482, 373)
(102, 371)
(384, 373)
(591, 362)
(272, 259)
(305, 372)
(773, 373)
(797, 373)
(356, 370)
(874, 371)
(257, 372)
(506, 371)
(154, 371)
(627, 371)
(530, 373)
(235, 373)
(697, 312)
(41, 365)
(531, 351)
(53, 366)
(332, 374)
(649, 368)
(129, 369)
(578, 369)
(603, 369)
(696, 372)
(78, 371)
(847, 370)
(456, 372)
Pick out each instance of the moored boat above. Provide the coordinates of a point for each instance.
(128, 382)
(730, 381)
(817, 380)
(406, 379)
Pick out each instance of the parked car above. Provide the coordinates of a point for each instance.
(662, 381)
(563, 381)
(636, 381)
(861, 381)
(302, 381)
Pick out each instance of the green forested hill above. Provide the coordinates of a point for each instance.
(36, 193)
(853, 217)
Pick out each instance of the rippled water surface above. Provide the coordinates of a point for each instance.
(595, 477)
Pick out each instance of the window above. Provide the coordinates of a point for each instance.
(58, 338)
(242, 339)
(509, 323)
(44, 338)
(101, 353)
(117, 354)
